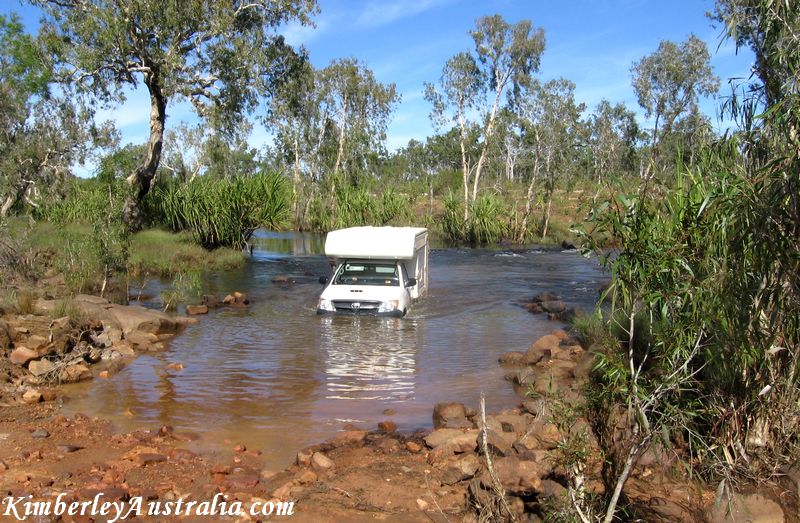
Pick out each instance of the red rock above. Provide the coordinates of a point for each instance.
(149, 458)
(32, 396)
(460, 440)
(240, 447)
(448, 414)
(512, 358)
(320, 462)
(388, 445)
(350, 437)
(104, 374)
(243, 481)
(306, 477)
(413, 447)
(228, 299)
(22, 355)
(542, 348)
(175, 366)
(303, 458)
(387, 426)
(196, 309)
(219, 468)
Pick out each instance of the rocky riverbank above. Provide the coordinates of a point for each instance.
(468, 468)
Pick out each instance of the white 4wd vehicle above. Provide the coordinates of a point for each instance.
(379, 270)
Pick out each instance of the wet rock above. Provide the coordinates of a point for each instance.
(753, 508)
(228, 299)
(240, 448)
(75, 373)
(459, 440)
(553, 306)
(40, 434)
(283, 278)
(542, 349)
(241, 298)
(389, 412)
(22, 355)
(320, 462)
(387, 426)
(450, 415)
(210, 301)
(142, 341)
(194, 310)
(523, 377)
(32, 396)
(174, 366)
(512, 358)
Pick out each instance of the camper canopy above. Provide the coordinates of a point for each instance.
(375, 243)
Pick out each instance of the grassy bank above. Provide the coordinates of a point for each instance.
(75, 258)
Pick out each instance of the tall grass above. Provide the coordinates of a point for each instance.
(487, 222)
(350, 206)
(224, 212)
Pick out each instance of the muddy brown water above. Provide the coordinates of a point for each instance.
(276, 376)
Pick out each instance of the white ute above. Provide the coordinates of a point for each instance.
(378, 270)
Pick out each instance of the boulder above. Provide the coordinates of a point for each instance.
(241, 298)
(40, 367)
(547, 435)
(450, 415)
(522, 377)
(133, 318)
(458, 440)
(228, 299)
(22, 355)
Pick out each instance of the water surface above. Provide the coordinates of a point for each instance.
(277, 377)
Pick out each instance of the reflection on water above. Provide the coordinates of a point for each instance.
(276, 376)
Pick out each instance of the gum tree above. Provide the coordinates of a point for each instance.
(668, 83)
(505, 57)
(221, 55)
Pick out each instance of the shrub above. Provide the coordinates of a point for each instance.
(224, 212)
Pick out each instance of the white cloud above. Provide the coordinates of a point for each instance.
(381, 13)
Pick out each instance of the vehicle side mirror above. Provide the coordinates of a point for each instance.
(411, 282)
(323, 280)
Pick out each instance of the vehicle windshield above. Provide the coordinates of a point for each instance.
(360, 273)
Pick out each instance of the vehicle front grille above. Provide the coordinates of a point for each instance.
(356, 306)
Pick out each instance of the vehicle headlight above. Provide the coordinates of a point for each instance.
(325, 305)
(389, 306)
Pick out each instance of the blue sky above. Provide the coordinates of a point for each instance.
(592, 43)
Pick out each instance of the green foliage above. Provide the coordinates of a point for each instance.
(185, 286)
(219, 212)
(487, 222)
(350, 206)
(159, 253)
